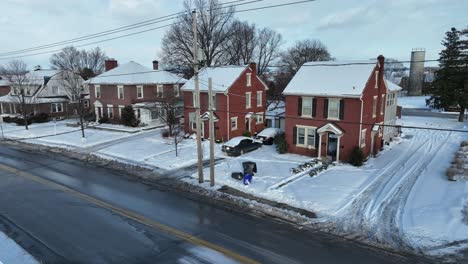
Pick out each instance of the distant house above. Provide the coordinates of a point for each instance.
(275, 115)
(332, 107)
(239, 96)
(132, 84)
(4, 86)
(46, 91)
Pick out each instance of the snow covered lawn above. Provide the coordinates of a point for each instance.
(413, 102)
(10, 252)
(60, 134)
(159, 152)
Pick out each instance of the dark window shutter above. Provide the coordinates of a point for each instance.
(299, 106)
(342, 109)
(314, 107)
(316, 140)
(325, 108)
(294, 135)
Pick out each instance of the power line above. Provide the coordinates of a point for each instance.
(151, 29)
(111, 31)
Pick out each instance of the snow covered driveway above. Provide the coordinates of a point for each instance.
(379, 213)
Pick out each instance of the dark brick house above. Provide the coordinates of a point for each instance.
(332, 107)
(132, 84)
(46, 91)
(239, 96)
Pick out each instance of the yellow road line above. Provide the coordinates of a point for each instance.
(132, 215)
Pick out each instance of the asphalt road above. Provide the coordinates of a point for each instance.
(62, 211)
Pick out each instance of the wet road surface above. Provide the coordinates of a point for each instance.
(62, 211)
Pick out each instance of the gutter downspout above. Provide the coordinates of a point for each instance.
(360, 123)
(228, 121)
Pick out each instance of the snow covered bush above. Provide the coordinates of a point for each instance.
(281, 144)
(465, 214)
(357, 157)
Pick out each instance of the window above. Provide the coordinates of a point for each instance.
(306, 136)
(249, 79)
(376, 79)
(248, 100)
(120, 92)
(333, 108)
(214, 101)
(110, 111)
(192, 121)
(28, 91)
(56, 107)
(97, 91)
(363, 138)
(159, 90)
(194, 100)
(55, 90)
(121, 107)
(307, 104)
(374, 107)
(233, 123)
(259, 117)
(176, 90)
(140, 91)
(382, 104)
(86, 103)
(259, 98)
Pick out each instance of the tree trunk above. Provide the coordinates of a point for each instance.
(80, 112)
(175, 143)
(461, 115)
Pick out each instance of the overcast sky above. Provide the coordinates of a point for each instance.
(351, 29)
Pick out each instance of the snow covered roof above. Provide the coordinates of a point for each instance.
(392, 87)
(134, 73)
(331, 78)
(223, 77)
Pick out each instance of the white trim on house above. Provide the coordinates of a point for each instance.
(234, 119)
(120, 95)
(374, 106)
(248, 100)
(110, 111)
(248, 77)
(306, 143)
(304, 99)
(337, 101)
(363, 142)
(160, 90)
(259, 118)
(97, 91)
(259, 98)
(140, 87)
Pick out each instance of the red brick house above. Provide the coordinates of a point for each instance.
(132, 84)
(46, 91)
(239, 96)
(332, 107)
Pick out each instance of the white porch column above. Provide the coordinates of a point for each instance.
(372, 144)
(319, 154)
(1, 106)
(338, 149)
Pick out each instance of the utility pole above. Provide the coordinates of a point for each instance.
(212, 137)
(197, 97)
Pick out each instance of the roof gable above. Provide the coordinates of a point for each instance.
(223, 77)
(332, 78)
(135, 73)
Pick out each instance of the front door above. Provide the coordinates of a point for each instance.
(247, 124)
(332, 146)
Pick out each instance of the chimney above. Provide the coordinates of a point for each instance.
(381, 60)
(253, 66)
(110, 64)
(155, 65)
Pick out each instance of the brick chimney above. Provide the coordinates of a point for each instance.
(253, 66)
(110, 64)
(381, 60)
(155, 65)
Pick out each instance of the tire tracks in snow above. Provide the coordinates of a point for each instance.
(375, 215)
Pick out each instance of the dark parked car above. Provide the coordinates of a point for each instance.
(240, 145)
(267, 136)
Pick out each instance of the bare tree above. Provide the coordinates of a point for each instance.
(213, 33)
(87, 63)
(22, 86)
(268, 44)
(74, 84)
(240, 47)
(302, 52)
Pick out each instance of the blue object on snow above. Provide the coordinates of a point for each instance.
(247, 179)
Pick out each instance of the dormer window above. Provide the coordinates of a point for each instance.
(249, 79)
